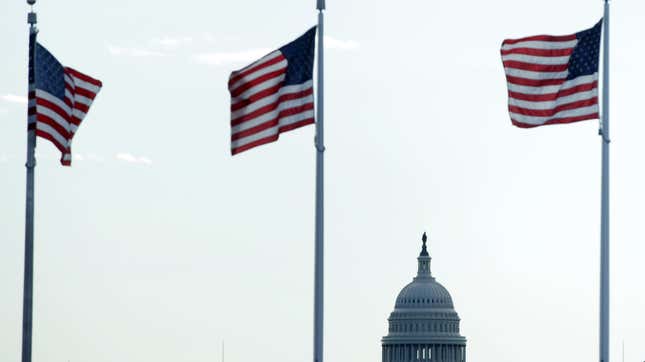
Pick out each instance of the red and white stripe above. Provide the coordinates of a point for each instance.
(539, 93)
(58, 119)
(262, 107)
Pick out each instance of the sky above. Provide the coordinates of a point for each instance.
(157, 245)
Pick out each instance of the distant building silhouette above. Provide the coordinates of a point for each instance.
(424, 325)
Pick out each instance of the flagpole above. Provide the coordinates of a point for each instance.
(27, 302)
(604, 222)
(320, 216)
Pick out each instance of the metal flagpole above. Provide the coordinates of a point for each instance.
(27, 302)
(320, 216)
(604, 222)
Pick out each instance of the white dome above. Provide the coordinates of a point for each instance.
(424, 293)
(424, 313)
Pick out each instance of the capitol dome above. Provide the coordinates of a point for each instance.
(424, 325)
(424, 293)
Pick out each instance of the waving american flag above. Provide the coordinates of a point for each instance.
(273, 95)
(552, 79)
(60, 97)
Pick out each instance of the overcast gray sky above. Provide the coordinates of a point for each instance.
(156, 244)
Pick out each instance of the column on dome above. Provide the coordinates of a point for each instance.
(415, 352)
(415, 348)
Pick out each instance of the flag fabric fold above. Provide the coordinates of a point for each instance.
(273, 95)
(60, 97)
(552, 79)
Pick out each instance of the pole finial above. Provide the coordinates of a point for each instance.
(320, 4)
(31, 16)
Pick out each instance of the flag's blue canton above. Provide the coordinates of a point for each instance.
(300, 58)
(49, 73)
(584, 59)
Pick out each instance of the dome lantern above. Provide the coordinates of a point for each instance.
(424, 258)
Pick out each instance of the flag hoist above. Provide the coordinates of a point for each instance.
(552, 80)
(274, 95)
(59, 98)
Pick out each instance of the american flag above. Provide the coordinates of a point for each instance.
(273, 95)
(552, 79)
(59, 97)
